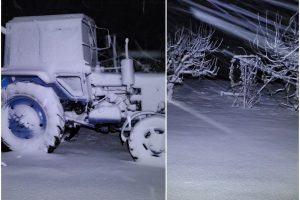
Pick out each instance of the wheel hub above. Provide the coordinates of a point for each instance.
(155, 141)
(26, 117)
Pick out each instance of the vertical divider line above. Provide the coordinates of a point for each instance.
(166, 102)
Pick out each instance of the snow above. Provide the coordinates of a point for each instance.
(22, 113)
(216, 151)
(239, 18)
(91, 166)
(49, 18)
(32, 42)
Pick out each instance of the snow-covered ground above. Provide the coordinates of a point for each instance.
(91, 167)
(216, 151)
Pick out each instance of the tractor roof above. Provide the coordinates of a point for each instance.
(51, 18)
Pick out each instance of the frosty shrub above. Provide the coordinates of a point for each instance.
(247, 67)
(279, 51)
(276, 59)
(189, 52)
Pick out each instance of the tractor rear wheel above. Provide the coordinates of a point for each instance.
(32, 117)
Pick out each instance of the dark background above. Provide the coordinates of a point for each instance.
(139, 20)
(179, 15)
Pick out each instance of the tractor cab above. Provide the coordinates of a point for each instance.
(51, 44)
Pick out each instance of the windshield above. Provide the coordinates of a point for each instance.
(89, 43)
(92, 38)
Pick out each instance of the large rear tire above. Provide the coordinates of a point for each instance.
(32, 117)
(147, 140)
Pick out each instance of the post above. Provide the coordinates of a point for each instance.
(126, 48)
(114, 43)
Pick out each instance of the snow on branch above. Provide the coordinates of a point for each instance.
(280, 49)
(247, 67)
(189, 52)
(276, 59)
(279, 53)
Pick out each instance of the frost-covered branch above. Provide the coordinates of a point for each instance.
(276, 58)
(280, 49)
(279, 54)
(189, 53)
(246, 66)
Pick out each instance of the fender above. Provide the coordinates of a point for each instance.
(41, 78)
(8, 72)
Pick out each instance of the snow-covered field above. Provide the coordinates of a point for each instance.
(217, 152)
(91, 167)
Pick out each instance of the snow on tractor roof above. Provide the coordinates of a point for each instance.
(46, 43)
(50, 18)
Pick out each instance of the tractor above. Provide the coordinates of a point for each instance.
(53, 83)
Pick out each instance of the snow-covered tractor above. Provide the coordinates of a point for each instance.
(53, 83)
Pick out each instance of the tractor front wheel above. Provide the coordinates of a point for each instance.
(147, 140)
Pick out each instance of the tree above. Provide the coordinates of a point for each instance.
(246, 66)
(189, 52)
(279, 53)
(277, 49)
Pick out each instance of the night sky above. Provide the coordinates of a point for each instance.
(144, 20)
(141, 20)
(241, 14)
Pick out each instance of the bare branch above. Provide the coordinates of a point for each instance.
(188, 53)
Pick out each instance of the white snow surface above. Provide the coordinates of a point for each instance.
(93, 166)
(216, 151)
